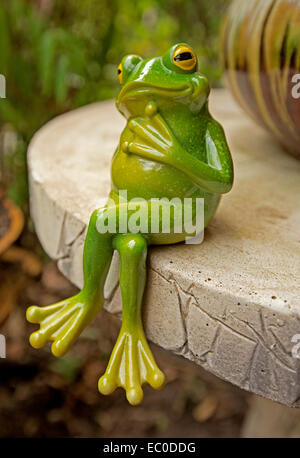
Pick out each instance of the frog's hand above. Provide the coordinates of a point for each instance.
(154, 140)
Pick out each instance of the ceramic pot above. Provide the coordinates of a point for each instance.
(261, 57)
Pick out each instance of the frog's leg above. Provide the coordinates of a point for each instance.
(64, 321)
(131, 363)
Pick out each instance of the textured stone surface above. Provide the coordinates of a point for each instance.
(231, 304)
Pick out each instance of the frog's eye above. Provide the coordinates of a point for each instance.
(120, 73)
(185, 58)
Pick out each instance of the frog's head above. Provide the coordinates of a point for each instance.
(168, 80)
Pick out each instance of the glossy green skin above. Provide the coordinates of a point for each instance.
(170, 147)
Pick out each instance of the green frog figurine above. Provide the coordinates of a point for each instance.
(171, 147)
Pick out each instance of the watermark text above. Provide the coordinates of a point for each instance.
(154, 216)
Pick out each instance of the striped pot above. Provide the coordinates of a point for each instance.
(261, 57)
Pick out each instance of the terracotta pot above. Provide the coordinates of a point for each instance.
(261, 57)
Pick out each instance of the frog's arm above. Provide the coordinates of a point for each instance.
(155, 141)
(217, 174)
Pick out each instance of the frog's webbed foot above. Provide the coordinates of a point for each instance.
(130, 366)
(61, 323)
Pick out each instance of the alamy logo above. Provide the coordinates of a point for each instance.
(154, 216)
(2, 346)
(2, 87)
(296, 87)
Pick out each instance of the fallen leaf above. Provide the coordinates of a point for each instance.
(206, 409)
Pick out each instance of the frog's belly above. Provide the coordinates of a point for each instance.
(148, 179)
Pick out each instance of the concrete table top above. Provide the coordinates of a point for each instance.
(230, 304)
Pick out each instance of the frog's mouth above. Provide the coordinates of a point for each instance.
(135, 90)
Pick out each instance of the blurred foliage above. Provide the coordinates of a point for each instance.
(60, 54)
(68, 367)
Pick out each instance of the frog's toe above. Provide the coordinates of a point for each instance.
(134, 395)
(151, 372)
(35, 314)
(156, 379)
(47, 331)
(38, 339)
(67, 335)
(107, 384)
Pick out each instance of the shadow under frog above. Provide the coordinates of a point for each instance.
(170, 147)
